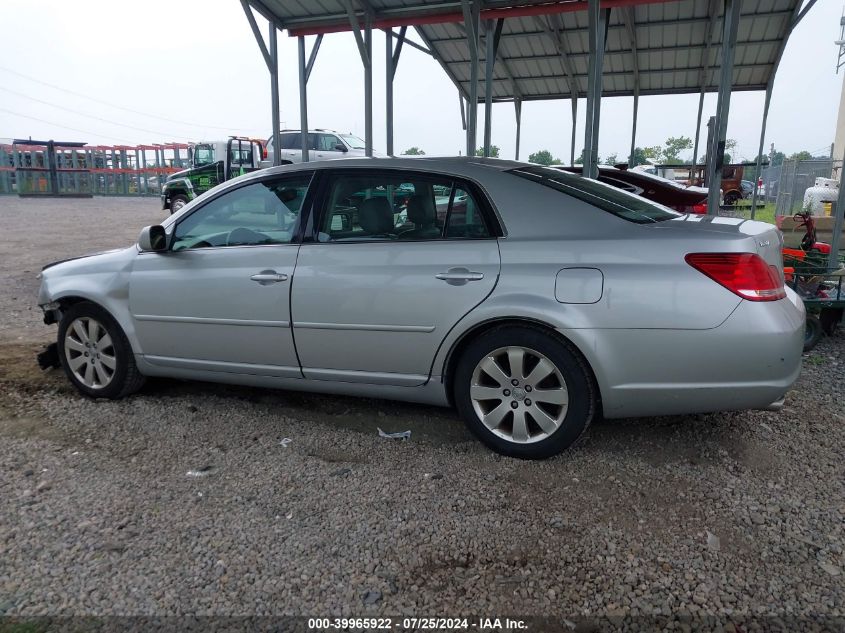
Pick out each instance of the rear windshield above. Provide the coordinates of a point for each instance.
(620, 203)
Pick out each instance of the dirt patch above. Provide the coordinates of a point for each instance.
(20, 371)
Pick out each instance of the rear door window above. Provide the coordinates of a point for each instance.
(290, 141)
(398, 205)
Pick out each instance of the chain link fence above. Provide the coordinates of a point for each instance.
(784, 185)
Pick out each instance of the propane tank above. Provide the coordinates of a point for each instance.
(819, 197)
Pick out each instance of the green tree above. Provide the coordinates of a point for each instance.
(582, 157)
(730, 146)
(413, 151)
(639, 157)
(802, 155)
(778, 158)
(612, 159)
(543, 157)
(673, 148)
(653, 153)
(494, 151)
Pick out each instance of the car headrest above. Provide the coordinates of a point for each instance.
(421, 209)
(375, 216)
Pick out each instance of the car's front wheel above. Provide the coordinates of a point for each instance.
(177, 202)
(524, 392)
(95, 353)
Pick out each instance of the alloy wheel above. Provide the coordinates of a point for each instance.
(519, 394)
(90, 352)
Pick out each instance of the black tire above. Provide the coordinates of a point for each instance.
(812, 332)
(582, 392)
(731, 198)
(177, 202)
(125, 378)
(829, 319)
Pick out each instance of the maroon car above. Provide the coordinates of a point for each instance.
(672, 194)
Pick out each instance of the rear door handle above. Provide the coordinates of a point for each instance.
(267, 277)
(459, 276)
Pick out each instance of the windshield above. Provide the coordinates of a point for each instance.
(620, 203)
(353, 141)
(203, 155)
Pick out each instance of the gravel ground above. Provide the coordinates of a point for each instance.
(737, 515)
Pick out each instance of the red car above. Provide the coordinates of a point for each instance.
(674, 195)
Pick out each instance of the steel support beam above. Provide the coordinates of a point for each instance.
(629, 19)
(797, 15)
(257, 34)
(716, 158)
(388, 89)
(698, 128)
(574, 123)
(368, 88)
(839, 215)
(274, 95)
(502, 63)
(402, 39)
(365, 49)
(760, 149)
(303, 101)
(597, 23)
(391, 58)
(517, 105)
(313, 57)
(463, 112)
(553, 28)
(634, 129)
(491, 46)
(271, 59)
(703, 75)
(471, 10)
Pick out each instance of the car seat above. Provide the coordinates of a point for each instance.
(376, 217)
(422, 212)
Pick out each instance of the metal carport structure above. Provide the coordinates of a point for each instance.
(555, 49)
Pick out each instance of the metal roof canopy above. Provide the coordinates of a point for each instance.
(560, 49)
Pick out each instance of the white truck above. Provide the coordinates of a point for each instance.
(322, 145)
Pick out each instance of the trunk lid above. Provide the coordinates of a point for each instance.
(759, 237)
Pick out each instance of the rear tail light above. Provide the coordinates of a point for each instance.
(699, 208)
(745, 274)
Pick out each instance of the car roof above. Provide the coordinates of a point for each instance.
(452, 164)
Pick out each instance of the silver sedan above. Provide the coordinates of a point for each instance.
(530, 299)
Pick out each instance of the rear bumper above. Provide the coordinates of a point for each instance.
(749, 362)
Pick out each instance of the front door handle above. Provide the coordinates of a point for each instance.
(267, 277)
(459, 276)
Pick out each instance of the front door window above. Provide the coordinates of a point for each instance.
(257, 214)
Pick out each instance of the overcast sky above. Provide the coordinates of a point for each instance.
(183, 70)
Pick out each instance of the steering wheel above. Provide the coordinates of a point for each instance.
(243, 235)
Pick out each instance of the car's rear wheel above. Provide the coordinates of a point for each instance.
(524, 393)
(812, 332)
(95, 353)
(731, 198)
(177, 202)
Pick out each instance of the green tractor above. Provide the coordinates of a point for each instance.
(212, 163)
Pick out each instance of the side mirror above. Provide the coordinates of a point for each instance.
(153, 239)
(341, 147)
